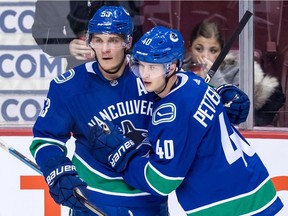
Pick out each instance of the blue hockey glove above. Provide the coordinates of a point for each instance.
(62, 177)
(122, 154)
(236, 103)
(112, 148)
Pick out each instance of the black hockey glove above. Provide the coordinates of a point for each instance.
(236, 103)
(62, 177)
(112, 148)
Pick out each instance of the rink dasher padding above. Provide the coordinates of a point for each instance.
(267, 134)
(29, 192)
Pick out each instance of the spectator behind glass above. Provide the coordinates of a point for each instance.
(206, 43)
(59, 28)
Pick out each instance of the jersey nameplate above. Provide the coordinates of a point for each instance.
(207, 107)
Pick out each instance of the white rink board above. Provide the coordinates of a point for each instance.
(16, 201)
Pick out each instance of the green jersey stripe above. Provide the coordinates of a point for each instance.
(161, 183)
(103, 183)
(249, 203)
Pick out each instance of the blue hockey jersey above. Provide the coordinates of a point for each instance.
(81, 98)
(198, 153)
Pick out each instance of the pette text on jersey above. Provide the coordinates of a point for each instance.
(206, 109)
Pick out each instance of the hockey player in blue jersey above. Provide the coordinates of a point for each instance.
(86, 96)
(195, 149)
(82, 97)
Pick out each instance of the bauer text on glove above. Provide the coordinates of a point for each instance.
(114, 149)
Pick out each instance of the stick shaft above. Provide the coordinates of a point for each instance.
(21, 157)
(79, 195)
(77, 192)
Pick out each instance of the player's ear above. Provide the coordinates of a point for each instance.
(129, 44)
(173, 67)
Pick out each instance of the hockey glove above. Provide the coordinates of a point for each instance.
(62, 177)
(112, 148)
(236, 103)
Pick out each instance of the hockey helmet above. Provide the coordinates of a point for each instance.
(111, 20)
(160, 45)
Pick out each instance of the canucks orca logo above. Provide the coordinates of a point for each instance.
(135, 134)
(45, 108)
(65, 76)
(164, 113)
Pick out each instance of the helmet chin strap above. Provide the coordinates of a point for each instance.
(109, 71)
(166, 81)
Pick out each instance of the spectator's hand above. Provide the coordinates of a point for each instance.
(62, 177)
(202, 66)
(205, 61)
(236, 103)
(80, 50)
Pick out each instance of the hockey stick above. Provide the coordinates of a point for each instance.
(227, 46)
(77, 192)
(21, 157)
(80, 196)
